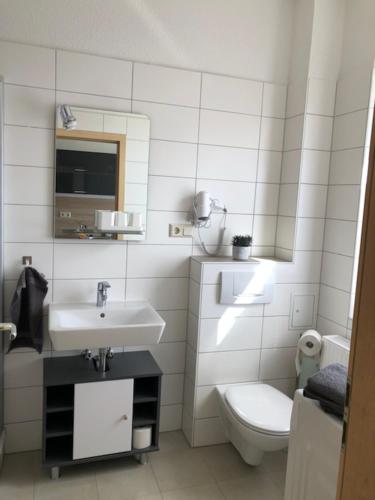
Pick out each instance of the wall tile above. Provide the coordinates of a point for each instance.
(238, 197)
(75, 261)
(340, 237)
(318, 132)
(276, 333)
(93, 101)
(321, 96)
(267, 199)
(24, 436)
(23, 370)
(272, 134)
(162, 293)
(337, 271)
(172, 389)
(175, 328)
(269, 166)
(288, 200)
(291, 166)
(28, 185)
(296, 100)
(173, 123)
(334, 304)
(84, 290)
(169, 193)
(312, 200)
(315, 167)
(274, 100)
(353, 91)
(23, 404)
(350, 130)
(343, 202)
(277, 363)
(264, 230)
(29, 106)
(231, 94)
(172, 158)
(229, 333)
(166, 85)
(24, 223)
(208, 432)
(285, 233)
(293, 133)
(159, 261)
(217, 162)
(35, 65)
(228, 367)
(89, 74)
(229, 129)
(170, 418)
(36, 150)
(40, 252)
(310, 233)
(346, 166)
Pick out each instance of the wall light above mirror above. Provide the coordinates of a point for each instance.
(101, 174)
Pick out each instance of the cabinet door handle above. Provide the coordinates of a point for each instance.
(125, 417)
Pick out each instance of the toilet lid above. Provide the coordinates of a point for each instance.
(261, 407)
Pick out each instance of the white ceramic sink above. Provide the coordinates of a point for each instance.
(118, 324)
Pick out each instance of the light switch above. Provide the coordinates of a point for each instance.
(303, 311)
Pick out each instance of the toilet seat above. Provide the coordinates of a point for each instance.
(261, 408)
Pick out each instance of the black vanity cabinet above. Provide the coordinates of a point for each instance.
(90, 416)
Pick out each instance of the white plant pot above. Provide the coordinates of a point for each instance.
(241, 253)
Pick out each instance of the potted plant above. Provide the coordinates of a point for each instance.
(241, 246)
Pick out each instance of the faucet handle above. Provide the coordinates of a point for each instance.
(103, 285)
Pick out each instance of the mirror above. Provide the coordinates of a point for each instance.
(101, 174)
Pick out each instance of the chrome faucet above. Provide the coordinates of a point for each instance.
(102, 294)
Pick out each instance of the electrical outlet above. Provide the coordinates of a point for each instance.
(180, 230)
(65, 215)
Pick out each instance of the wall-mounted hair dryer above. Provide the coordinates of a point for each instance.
(68, 119)
(203, 207)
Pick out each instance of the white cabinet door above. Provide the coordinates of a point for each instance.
(103, 415)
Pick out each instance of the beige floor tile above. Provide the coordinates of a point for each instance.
(129, 483)
(275, 464)
(83, 489)
(225, 462)
(258, 486)
(180, 469)
(172, 441)
(17, 476)
(205, 492)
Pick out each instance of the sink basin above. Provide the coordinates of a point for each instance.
(118, 324)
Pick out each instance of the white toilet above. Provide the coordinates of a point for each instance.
(256, 418)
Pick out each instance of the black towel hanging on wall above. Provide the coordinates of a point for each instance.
(26, 309)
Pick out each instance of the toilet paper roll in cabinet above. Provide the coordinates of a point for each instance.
(142, 438)
(308, 356)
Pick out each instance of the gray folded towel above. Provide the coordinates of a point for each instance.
(328, 386)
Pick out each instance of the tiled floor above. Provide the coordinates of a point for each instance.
(176, 472)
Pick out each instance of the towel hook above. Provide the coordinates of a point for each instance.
(27, 260)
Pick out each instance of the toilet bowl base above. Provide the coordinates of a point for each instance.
(250, 454)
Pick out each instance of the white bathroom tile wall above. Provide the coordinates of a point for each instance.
(174, 159)
(349, 155)
(229, 129)
(226, 163)
(28, 106)
(231, 94)
(166, 85)
(27, 65)
(321, 96)
(225, 158)
(274, 100)
(23, 404)
(89, 74)
(28, 185)
(173, 123)
(36, 150)
(315, 167)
